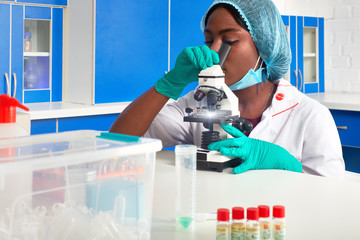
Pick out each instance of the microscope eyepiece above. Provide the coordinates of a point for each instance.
(223, 53)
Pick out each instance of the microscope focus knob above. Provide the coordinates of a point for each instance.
(188, 110)
(243, 125)
(199, 95)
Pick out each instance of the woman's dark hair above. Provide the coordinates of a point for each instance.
(233, 11)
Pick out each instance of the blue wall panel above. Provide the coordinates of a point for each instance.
(4, 45)
(185, 29)
(130, 48)
(96, 122)
(57, 49)
(43, 126)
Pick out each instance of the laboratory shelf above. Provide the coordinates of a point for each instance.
(36, 54)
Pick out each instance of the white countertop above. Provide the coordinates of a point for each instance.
(62, 110)
(316, 207)
(338, 100)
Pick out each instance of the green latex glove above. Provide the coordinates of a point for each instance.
(188, 65)
(256, 154)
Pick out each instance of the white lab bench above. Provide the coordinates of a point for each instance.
(63, 116)
(316, 207)
(338, 100)
(40, 111)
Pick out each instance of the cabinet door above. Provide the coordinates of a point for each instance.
(96, 122)
(294, 80)
(42, 80)
(17, 29)
(48, 2)
(310, 46)
(36, 81)
(131, 43)
(185, 29)
(290, 26)
(57, 55)
(4, 46)
(348, 126)
(43, 126)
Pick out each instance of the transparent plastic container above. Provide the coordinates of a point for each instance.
(77, 185)
(11, 130)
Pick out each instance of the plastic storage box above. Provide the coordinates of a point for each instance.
(77, 185)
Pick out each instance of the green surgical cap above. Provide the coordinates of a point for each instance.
(267, 31)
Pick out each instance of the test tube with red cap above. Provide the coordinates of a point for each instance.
(238, 224)
(223, 224)
(279, 232)
(264, 221)
(252, 224)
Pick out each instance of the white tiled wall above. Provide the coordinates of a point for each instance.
(342, 38)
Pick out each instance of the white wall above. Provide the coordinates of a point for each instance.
(342, 38)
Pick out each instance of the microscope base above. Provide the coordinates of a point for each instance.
(215, 161)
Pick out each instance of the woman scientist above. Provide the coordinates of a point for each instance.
(291, 131)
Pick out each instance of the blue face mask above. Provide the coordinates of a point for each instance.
(251, 78)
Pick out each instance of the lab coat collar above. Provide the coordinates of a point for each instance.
(284, 101)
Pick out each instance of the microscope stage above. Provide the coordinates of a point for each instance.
(215, 161)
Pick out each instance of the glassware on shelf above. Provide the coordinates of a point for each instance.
(27, 41)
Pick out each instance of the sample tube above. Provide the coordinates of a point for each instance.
(252, 224)
(279, 232)
(264, 221)
(223, 224)
(238, 224)
(185, 169)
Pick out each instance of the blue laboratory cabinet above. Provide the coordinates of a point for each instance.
(95, 122)
(16, 62)
(45, 2)
(131, 46)
(306, 36)
(348, 126)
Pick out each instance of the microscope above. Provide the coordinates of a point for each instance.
(222, 107)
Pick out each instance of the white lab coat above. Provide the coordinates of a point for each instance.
(301, 125)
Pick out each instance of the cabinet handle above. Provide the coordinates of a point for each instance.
(15, 80)
(296, 78)
(7, 84)
(341, 127)
(301, 80)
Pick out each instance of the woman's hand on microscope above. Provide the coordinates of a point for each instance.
(188, 65)
(256, 154)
